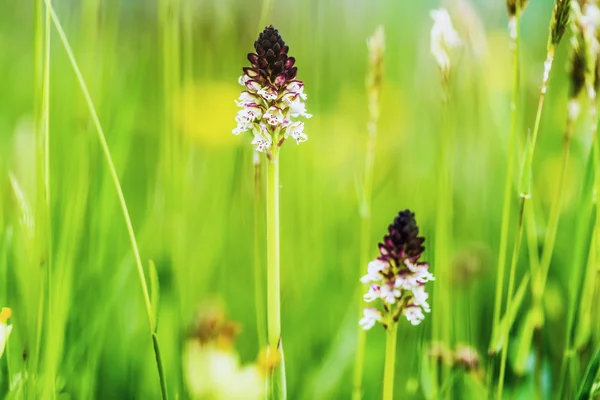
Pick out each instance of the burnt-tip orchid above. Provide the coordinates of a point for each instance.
(397, 278)
(273, 97)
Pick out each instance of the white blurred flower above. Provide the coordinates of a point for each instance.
(443, 38)
(373, 294)
(370, 317)
(296, 130)
(413, 314)
(373, 269)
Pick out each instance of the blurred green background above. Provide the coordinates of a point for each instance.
(163, 77)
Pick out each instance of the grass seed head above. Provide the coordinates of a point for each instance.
(559, 22)
(443, 40)
(511, 5)
(376, 47)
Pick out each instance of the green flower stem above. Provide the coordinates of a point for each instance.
(258, 266)
(507, 183)
(273, 274)
(390, 360)
(121, 197)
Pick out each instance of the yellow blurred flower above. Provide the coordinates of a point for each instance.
(204, 110)
(212, 373)
(5, 329)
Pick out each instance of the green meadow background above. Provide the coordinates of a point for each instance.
(163, 79)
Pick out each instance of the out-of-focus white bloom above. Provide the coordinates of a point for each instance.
(5, 329)
(590, 17)
(217, 374)
(443, 39)
(370, 317)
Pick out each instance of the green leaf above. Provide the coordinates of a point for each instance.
(524, 344)
(498, 339)
(585, 389)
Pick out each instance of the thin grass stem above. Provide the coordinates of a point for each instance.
(500, 271)
(119, 190)
(509, 303)
(376, 46)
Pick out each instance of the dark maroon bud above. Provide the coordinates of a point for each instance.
(402, 241)
(262, 62)
(281, 79)
(253, 58)
(291, 73)
(278, 67)
(271, 62)
(263, 73)
(289, 63)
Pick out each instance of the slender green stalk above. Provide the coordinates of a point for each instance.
(550, 238)
(365, 233)
(376, 45)
(258, 266)
(509, 303)
(273, 275)
(391, 335)
(508, 181)
(119, 190)
(538, 115)
(264, 13)
(42, 59)
(47, 192)
(442, 323)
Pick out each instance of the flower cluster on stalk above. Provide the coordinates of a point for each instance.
(273, 97)
(397, 278)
